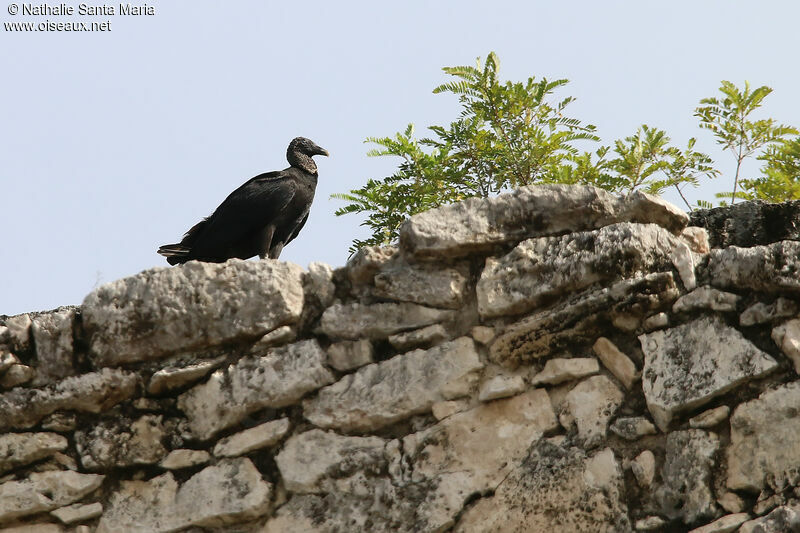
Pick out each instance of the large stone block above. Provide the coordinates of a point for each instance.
(581, 318)
(689, 460)
(44, 491)
(94, 392)
(749, 224)
(277, 379)
(558, 490)
(378, 321)
(688, 365)
(479, 225)
(764, 441)
(52, 336)
(165, 310)
(229, 492)
(542, 270)
(773, 268)
(382, 393)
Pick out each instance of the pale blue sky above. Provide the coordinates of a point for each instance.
(114, 143)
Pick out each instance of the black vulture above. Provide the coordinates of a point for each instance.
(259, 218)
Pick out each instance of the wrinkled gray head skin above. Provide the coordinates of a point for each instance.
(300, 151)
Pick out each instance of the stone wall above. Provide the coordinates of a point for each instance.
(553, 359)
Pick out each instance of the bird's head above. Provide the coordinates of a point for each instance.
(305, 146)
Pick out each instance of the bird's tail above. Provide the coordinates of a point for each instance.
(175, 253)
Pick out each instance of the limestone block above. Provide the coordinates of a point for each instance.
(749, 223)
(17, 449)
(93, 392)
(633, 428)
(419, 338)
(696, 238)
(764, 438)
(172, 378)
(477, 225)
(422, 284)
(52, 336)
(581, 318)
(585, 492)
(558, 370)
(78, 512)
(122, 442)
(311, 457)
(616, 362)
(787, 337)
(780, 520)
(347, 355)
(687, 492)
(500, 387)
(277, 379)
(710, 418)
(229, 492)
(178, 459)
(365, 263)
(539, 271)
(688, 365)
(589, 406)
(16, 375)
(683, 261)
(706, 297)
(772, 268)
(726, 524)
(44, 491)
(761, 313)
(255, 438)
(19, 331)
(644, 468)
(378, 321)
(166, 310)
(382, 393)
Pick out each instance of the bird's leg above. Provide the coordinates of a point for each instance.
(276, 250)
(265, 241)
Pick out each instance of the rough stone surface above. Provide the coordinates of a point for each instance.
(683, 260)
(478, 225)
(589, 406)
(18, 449)
(422, 284)
(688, 462)
(559, 370)
(7, 360)
(726, 524)
(650, 523)
(540, 270)
(783, 519)
(772, 269)
(706, 297)
(500, 387)
(657, 321)
(697, 239)
(688, 365)
(16, 375)
(419, 338)
(122, 442)
(365, 263)
(251, 439)
(787, 337)
(408, 384)
(378, 321)
(93, 393)
(19, 331)
(53, 338)
(584, 492)
(319, 282)
(280, 378)
(764, 438)
(166, 310)
(710, 418)
(616, 362)
(347, 355)
(732, 502)
(78, 512)
(644, 468)
(580, 317)
(482, 334)
(749, 224)
(472, 452)
(229, 492)
(178, 459)
(171, 378)
(633, 427)
(761, 313)
(311, 457)
(442, 410)
(43, 492)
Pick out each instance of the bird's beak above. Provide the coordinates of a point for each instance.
(321, 151)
